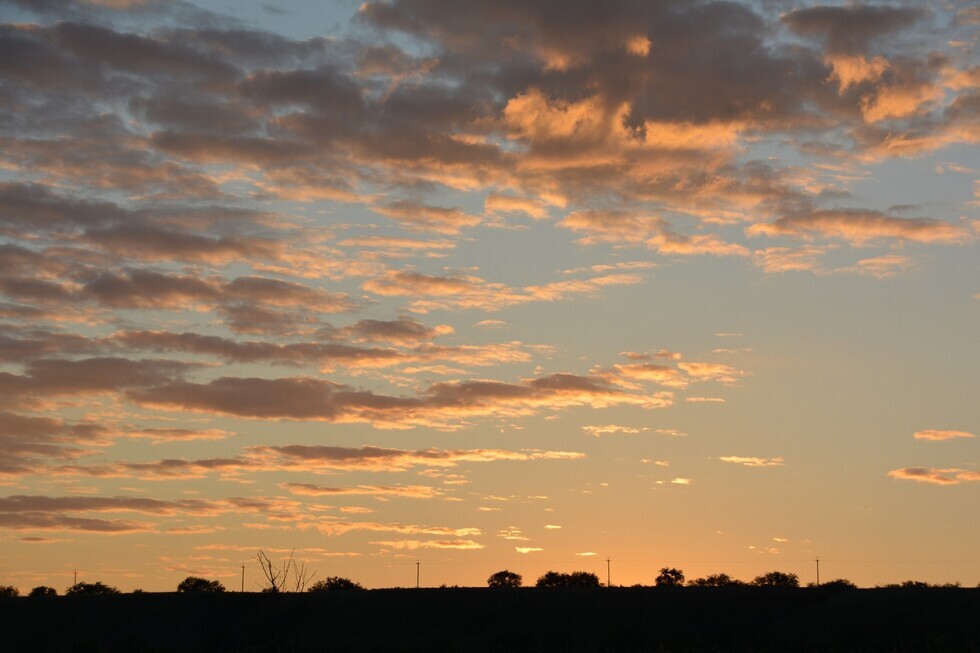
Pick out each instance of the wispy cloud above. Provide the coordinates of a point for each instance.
(612, 429)
(411, 545)
(935, 435)
(404, 491)
(936, 476)
(752, 461)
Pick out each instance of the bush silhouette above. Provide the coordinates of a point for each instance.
(43, 590)
(670, 577)
(334, 584)
(576, 579)
(9, 591)
(777, 579)
(716, 580)
(195, 584)
(505, 578)
(91, 588)
(836, 584)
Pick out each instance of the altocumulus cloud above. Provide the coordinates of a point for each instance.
(189, 207)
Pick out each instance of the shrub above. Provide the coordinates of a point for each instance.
(195, 584)
(9, 591)
(334, 584)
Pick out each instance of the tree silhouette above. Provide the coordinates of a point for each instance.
(195, 584)
(576, 579)
(334, 584)
(776, 579)
(9, 591)
(43, 590)
(716, 580)
(670, 577)
(90, 588)
(583, 579)
(277, 577)
(505, 578)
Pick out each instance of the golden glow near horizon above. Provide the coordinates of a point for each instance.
(488, 285)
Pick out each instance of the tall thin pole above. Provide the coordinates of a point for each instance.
(243, 578)
(75, 579)
(417, 563)
(608, 575)
(818, 571)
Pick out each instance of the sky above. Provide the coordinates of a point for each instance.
(449, 288)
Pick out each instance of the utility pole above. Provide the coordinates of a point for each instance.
(243, 578)
(608, 575)
(818, 571)
(417, 563)
(75, 580)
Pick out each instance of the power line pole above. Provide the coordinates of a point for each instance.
(243, 578)
(608, 575)
(75, 579)
(818, 571)
(417, 564)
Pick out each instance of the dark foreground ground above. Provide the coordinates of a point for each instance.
(476, 620)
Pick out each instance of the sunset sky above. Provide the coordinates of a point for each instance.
(488, 284)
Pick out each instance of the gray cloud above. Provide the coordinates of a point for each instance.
(849, 29)
(443, 404)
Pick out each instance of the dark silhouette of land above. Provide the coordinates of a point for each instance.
(487, 619)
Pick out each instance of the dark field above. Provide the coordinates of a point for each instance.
(474, 620)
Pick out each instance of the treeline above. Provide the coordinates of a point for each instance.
(668, 577)
(673, 577)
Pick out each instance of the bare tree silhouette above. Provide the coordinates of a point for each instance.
(277, 577)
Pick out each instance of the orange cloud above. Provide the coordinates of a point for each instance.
(470, 292)
(371, 458)
(860, 227)
(652, 232)
(936, 435)
(496, 203)
(404, 491)
(411, 545)
(161, 435)
(851, 70)
(611, 429)
(752, 461)
(936, 476)
(416, 215)
(787, 259)
(879, 267)
(337, 527)
(712, 372)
